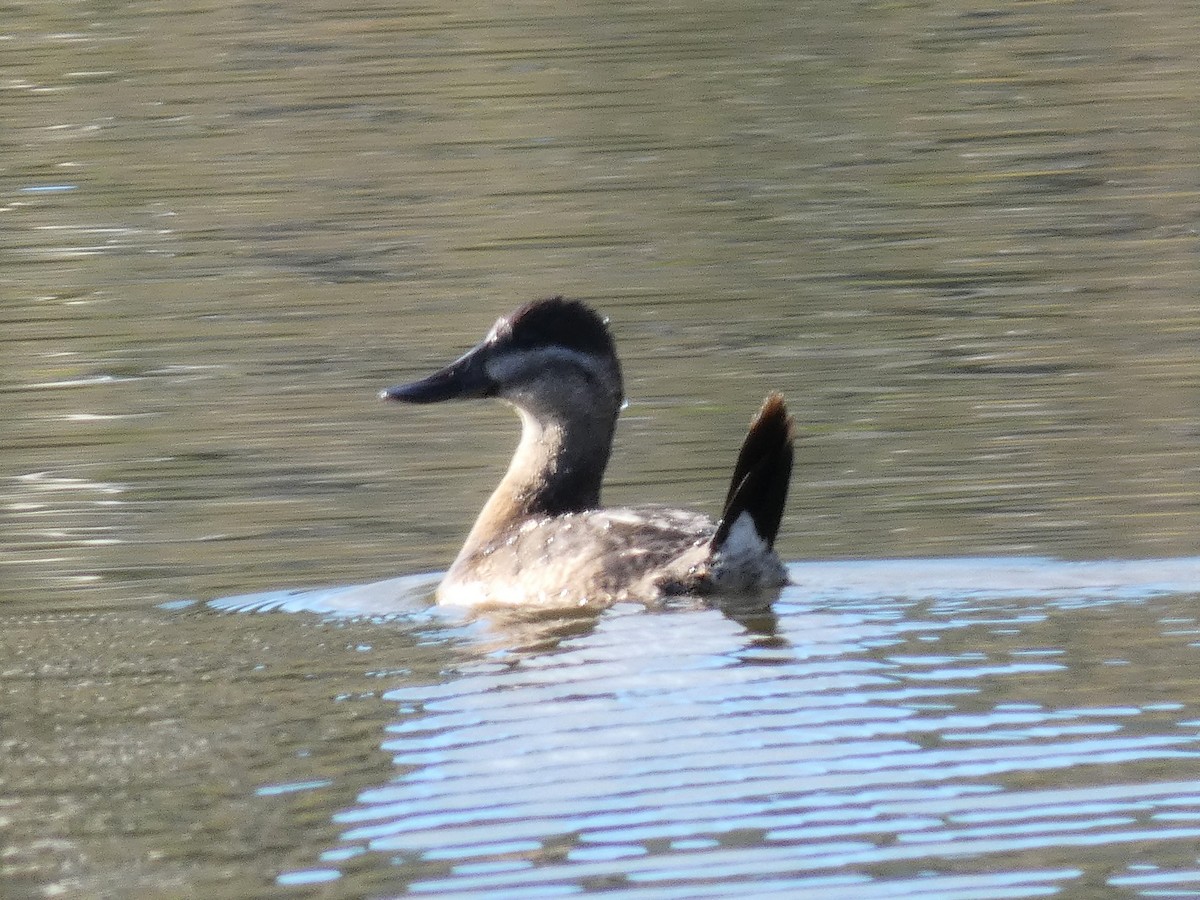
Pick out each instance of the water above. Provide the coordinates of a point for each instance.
(962, 242)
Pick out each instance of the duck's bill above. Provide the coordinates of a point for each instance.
(464, 378)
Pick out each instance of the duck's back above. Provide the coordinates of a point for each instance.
(594, 557)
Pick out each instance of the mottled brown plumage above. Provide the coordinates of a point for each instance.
(542, 538)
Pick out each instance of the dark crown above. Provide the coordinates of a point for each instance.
(557, 322)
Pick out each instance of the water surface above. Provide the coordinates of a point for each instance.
(960, 240)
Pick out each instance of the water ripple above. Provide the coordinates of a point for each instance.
(840, 748)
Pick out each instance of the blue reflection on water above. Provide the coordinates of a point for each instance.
(938, 728)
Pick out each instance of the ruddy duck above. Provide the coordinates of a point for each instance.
(543, 539)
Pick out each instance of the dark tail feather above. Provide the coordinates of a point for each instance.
(760, 478)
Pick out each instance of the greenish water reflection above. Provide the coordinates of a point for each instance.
(961, 241)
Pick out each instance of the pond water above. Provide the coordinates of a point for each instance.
(960, 239)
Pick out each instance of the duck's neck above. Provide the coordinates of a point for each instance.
(557, 469)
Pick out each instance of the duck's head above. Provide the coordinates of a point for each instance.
(551, 357)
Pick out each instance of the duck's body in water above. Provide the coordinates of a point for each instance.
(543, 539)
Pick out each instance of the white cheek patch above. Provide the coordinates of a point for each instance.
(517, 366)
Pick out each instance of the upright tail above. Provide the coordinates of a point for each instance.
(760, 478)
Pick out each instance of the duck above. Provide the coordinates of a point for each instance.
(543, 539)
